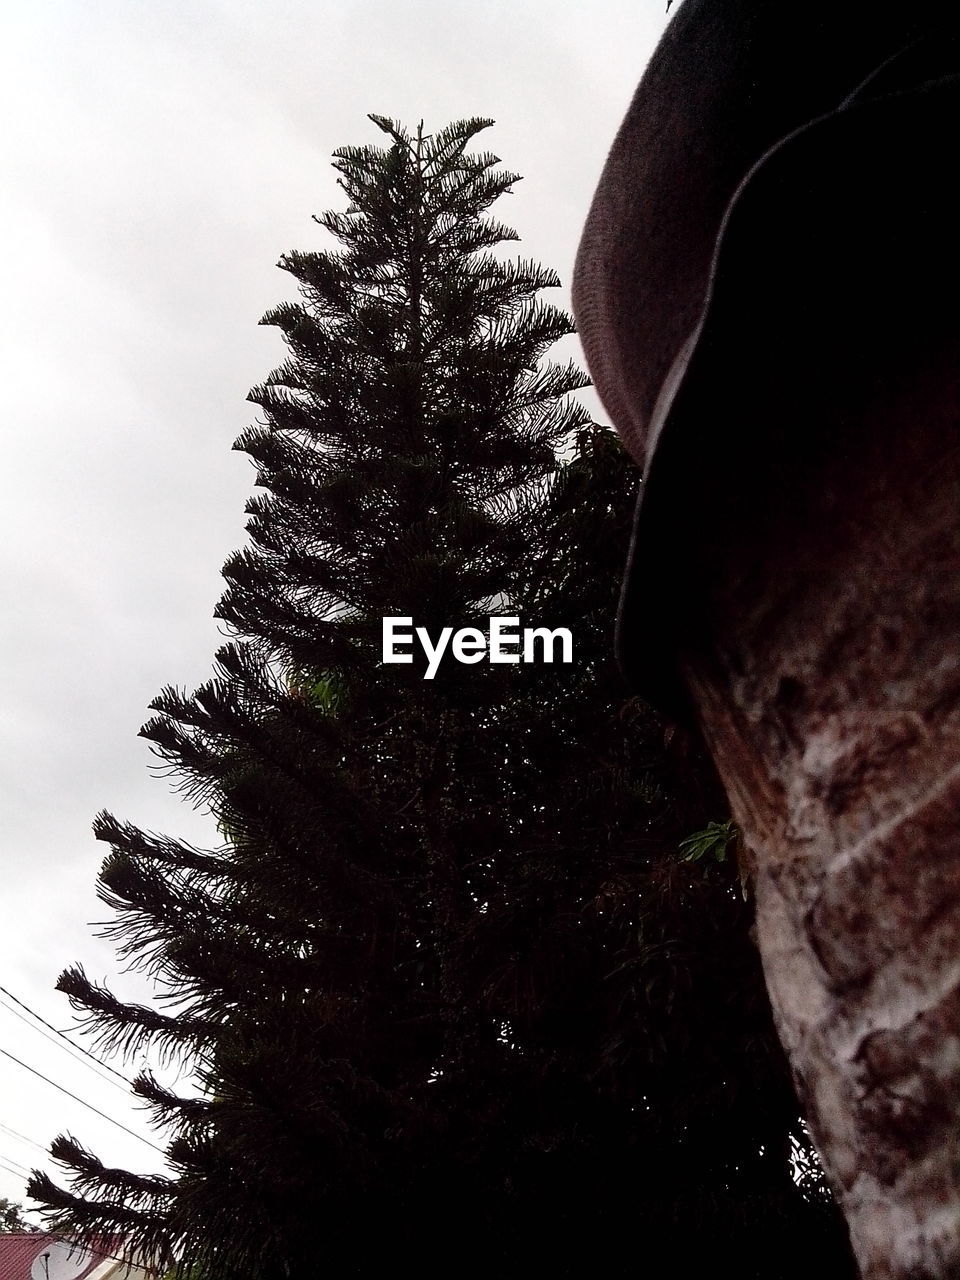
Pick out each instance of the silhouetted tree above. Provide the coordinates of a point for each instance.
(453, 998)
(11, 1216)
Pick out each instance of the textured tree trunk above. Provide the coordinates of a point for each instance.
(795, 408)
(827, 680)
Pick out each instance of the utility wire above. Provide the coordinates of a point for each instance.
(16, 1173)
(90, 1107)
(5, 1128)
(10, 1160)
(40, 1031)
(66, 1039)
(74, 1056)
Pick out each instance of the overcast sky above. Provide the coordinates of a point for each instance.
(157, 158)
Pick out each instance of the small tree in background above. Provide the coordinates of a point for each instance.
(11, 1217)
(453, 997)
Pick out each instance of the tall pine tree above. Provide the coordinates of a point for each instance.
(452, 998)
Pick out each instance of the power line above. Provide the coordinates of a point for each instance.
(16, 1173)
(5, 1128)
(10, 1160)
(66, 1040)
(46, 1036)
(90, 1107)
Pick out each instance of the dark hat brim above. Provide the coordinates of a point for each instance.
(840, 249)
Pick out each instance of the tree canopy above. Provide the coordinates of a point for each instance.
(452, 995)
(11, 1216)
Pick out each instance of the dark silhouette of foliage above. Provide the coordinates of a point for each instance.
(454, 998)
(11, 1217)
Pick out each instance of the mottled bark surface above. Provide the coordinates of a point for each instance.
(827, 677)
(797, 552)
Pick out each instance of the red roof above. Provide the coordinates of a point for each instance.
(20, 1250)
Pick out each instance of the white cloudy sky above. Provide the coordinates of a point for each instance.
(157, 158)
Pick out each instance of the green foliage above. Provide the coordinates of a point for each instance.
(11, 1217)
(327, 692)
(715, 840)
